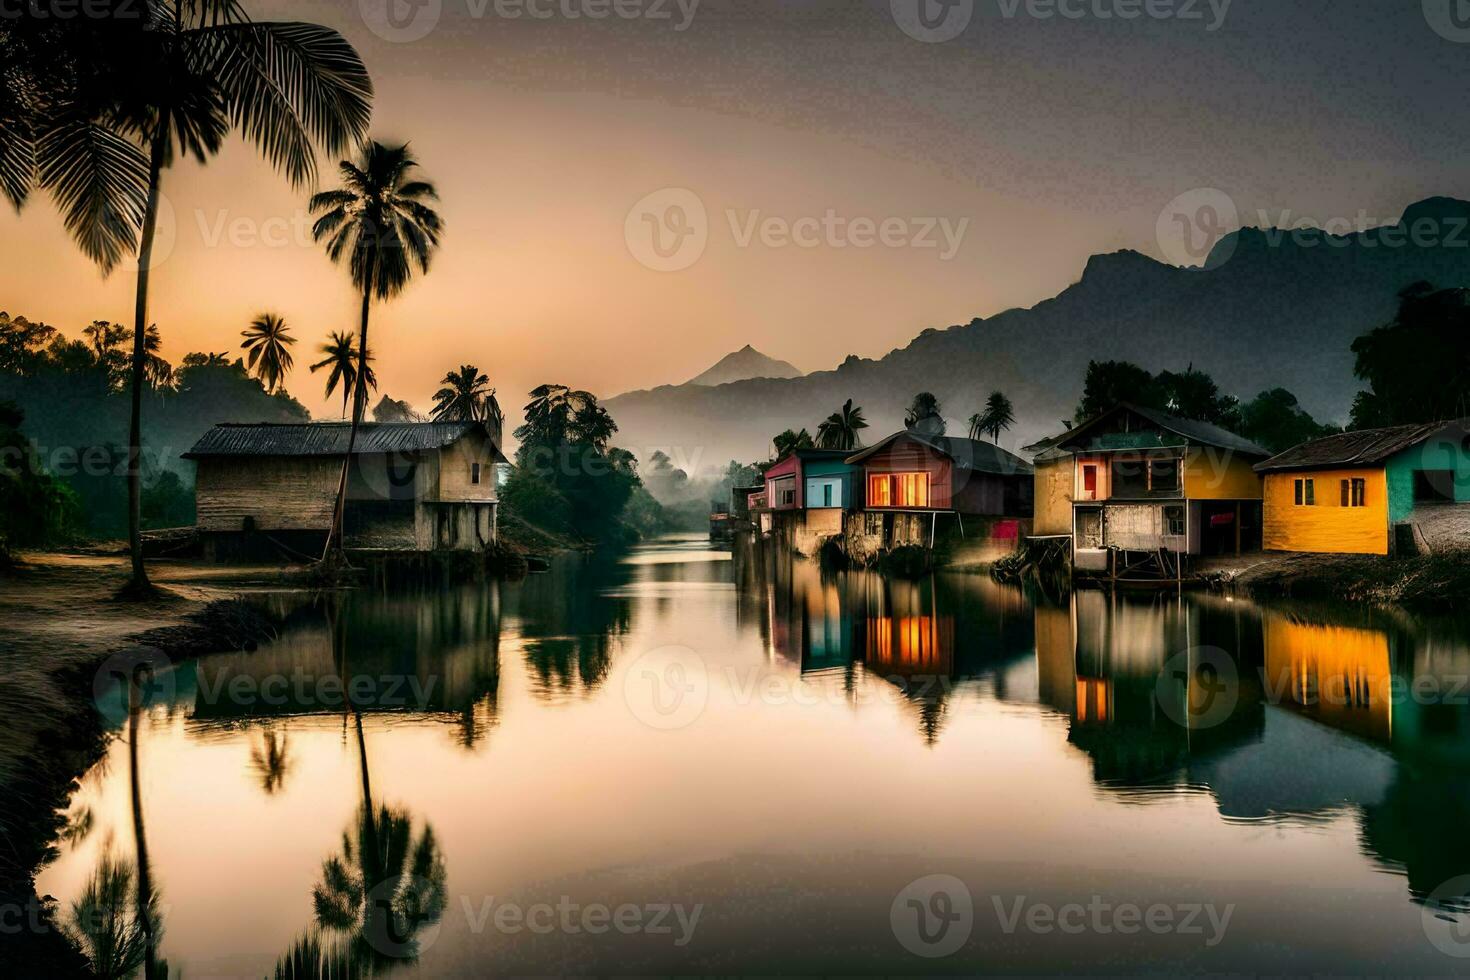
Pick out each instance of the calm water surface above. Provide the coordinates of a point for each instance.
(676, 762)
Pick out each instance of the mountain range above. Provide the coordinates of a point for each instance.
(1269, 308)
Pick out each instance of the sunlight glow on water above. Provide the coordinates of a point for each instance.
(786, 751)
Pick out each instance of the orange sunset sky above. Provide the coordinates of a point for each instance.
(1054, 139)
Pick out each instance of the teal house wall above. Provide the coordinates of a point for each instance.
(846, 480)
(1431, 455)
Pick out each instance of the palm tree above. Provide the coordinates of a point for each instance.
(109, 104)
(268, 340)
(998, 416)
(923, 415)
(342, 359)
(551, 411)
(464, 397)
(157, 369)
(593, 426)
(271, 760)
(378, 224)
(840, 430)
(790, 441)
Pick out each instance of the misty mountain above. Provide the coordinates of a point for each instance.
(745, 364)
(1269, 308)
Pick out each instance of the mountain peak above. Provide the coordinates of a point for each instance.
(743, 365)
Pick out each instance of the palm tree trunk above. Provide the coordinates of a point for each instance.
(140, 838)
(359, 401)
(139, 581)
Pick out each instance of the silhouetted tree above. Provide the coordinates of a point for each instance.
(269, 341)
(1417, 366)
(924, 416)
(998, 416)
(1274, 420)
(378, 223)
(342, 359)
(112, 102)
(840, 429)
(464, 397)
(789, 441)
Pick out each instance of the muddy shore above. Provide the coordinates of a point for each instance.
(1437, 583)
(61, 625)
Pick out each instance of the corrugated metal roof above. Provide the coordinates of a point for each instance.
(329, 438)
(1366, 447)
(967, 454)
(1192, 431)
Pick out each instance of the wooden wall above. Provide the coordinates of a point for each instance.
(1327, 527)
(280, 493)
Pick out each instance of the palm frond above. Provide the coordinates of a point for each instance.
(100, 183)
(287, 84)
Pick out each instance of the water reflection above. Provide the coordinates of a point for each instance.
(857, 733)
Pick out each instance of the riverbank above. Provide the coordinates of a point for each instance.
(1434, 583)
(62, 622)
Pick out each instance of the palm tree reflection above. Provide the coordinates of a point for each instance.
(271, 760)
(382, 891)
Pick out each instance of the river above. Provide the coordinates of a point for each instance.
(671, 761)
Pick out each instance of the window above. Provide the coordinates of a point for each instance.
(898, 490)
(1174, 523)
(826, 495)
(1089, 480)
(1306, 493)
(1355, 493)
(1163, 475)
(475, 474)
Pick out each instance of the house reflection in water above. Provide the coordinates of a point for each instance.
(1325, 722)
(434, 655)
(927, 637)
(1140, 680)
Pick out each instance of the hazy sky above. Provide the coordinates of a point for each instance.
(1044, 132)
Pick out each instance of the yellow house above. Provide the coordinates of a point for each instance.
(1346, 494)
(1135, 480)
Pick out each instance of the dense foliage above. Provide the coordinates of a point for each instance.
(73, 394)
(36, 508)
(1273, 419)
(570, 479)
(1418, 366)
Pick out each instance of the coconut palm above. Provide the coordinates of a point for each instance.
(342, 359)
(271, 761)
(840, 430)
(998, 416)
(158, 371)
(269, 340)
(464, 397)
(106, 105)
(550, 414)
(377, 223)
